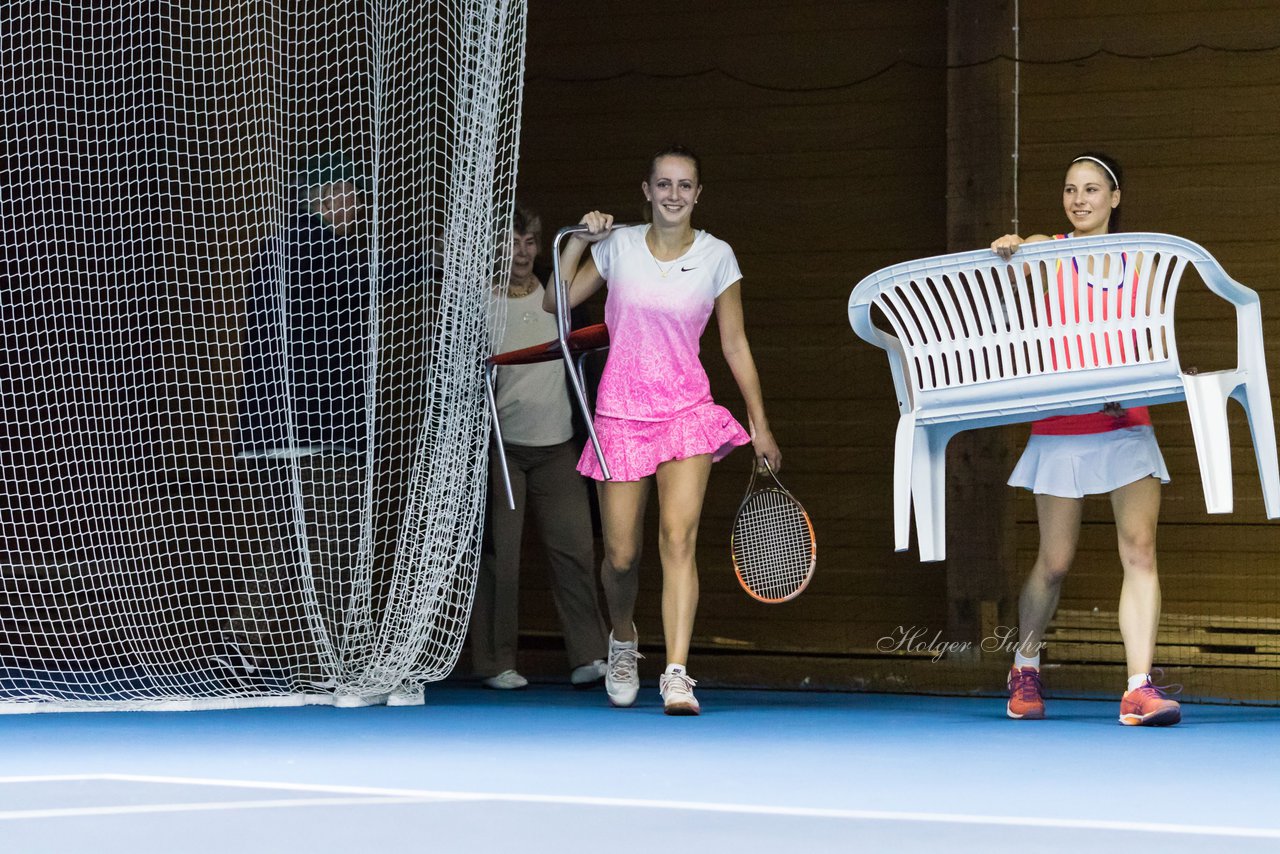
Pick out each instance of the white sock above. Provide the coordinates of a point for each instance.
(673, 669)
(1020, 661)
(1137, 680)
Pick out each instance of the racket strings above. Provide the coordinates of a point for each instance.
(772, 545)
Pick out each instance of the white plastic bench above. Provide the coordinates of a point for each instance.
(977, 341)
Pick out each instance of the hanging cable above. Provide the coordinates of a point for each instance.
(899, 63)
(1017, 97)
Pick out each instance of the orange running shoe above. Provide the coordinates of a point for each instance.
(1025, 702)
(1147, 705)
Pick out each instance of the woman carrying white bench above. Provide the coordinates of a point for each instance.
(1112, 452)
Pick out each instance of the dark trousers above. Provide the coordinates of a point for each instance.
(546, 480)
(270, 618)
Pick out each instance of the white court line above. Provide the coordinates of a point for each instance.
(143, 809)
(373, 794)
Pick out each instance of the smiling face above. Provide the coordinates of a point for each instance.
(672, 190)
(524, 251)
(1088, 198)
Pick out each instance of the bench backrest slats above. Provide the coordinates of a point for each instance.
(1057, 307)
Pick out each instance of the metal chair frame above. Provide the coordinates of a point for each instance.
(568, 344)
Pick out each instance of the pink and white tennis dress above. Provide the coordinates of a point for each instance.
(654, 403)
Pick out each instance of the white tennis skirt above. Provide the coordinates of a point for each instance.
(1091, 464)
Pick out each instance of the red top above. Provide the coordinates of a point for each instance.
(1091, 422)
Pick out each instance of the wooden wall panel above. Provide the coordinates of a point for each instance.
(813, 189)
(817, 187)
(1197, 135)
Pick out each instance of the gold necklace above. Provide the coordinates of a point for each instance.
(661, 272)
(523, 289)
(671, 266)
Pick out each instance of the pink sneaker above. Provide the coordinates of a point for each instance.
(1147, 705)
(1025, 702)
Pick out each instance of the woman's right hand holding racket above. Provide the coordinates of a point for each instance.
(767, 450)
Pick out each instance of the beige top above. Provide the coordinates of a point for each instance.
(533, 402)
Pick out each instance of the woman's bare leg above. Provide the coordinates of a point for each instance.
(682, 484)
(1059, 520)
(1137, 510)
(622, 506)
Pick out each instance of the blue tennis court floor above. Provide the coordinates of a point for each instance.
(549, 769)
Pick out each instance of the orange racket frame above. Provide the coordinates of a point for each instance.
(785, 495)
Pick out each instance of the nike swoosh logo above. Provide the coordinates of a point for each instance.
(687, 269)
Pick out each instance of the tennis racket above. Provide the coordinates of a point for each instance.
(773, 547)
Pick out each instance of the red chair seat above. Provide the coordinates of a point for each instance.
(584, 340)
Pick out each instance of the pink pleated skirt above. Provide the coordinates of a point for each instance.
(635, 449)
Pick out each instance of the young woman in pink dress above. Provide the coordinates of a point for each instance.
(654, 414)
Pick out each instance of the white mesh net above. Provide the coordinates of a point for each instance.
(249, 252)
